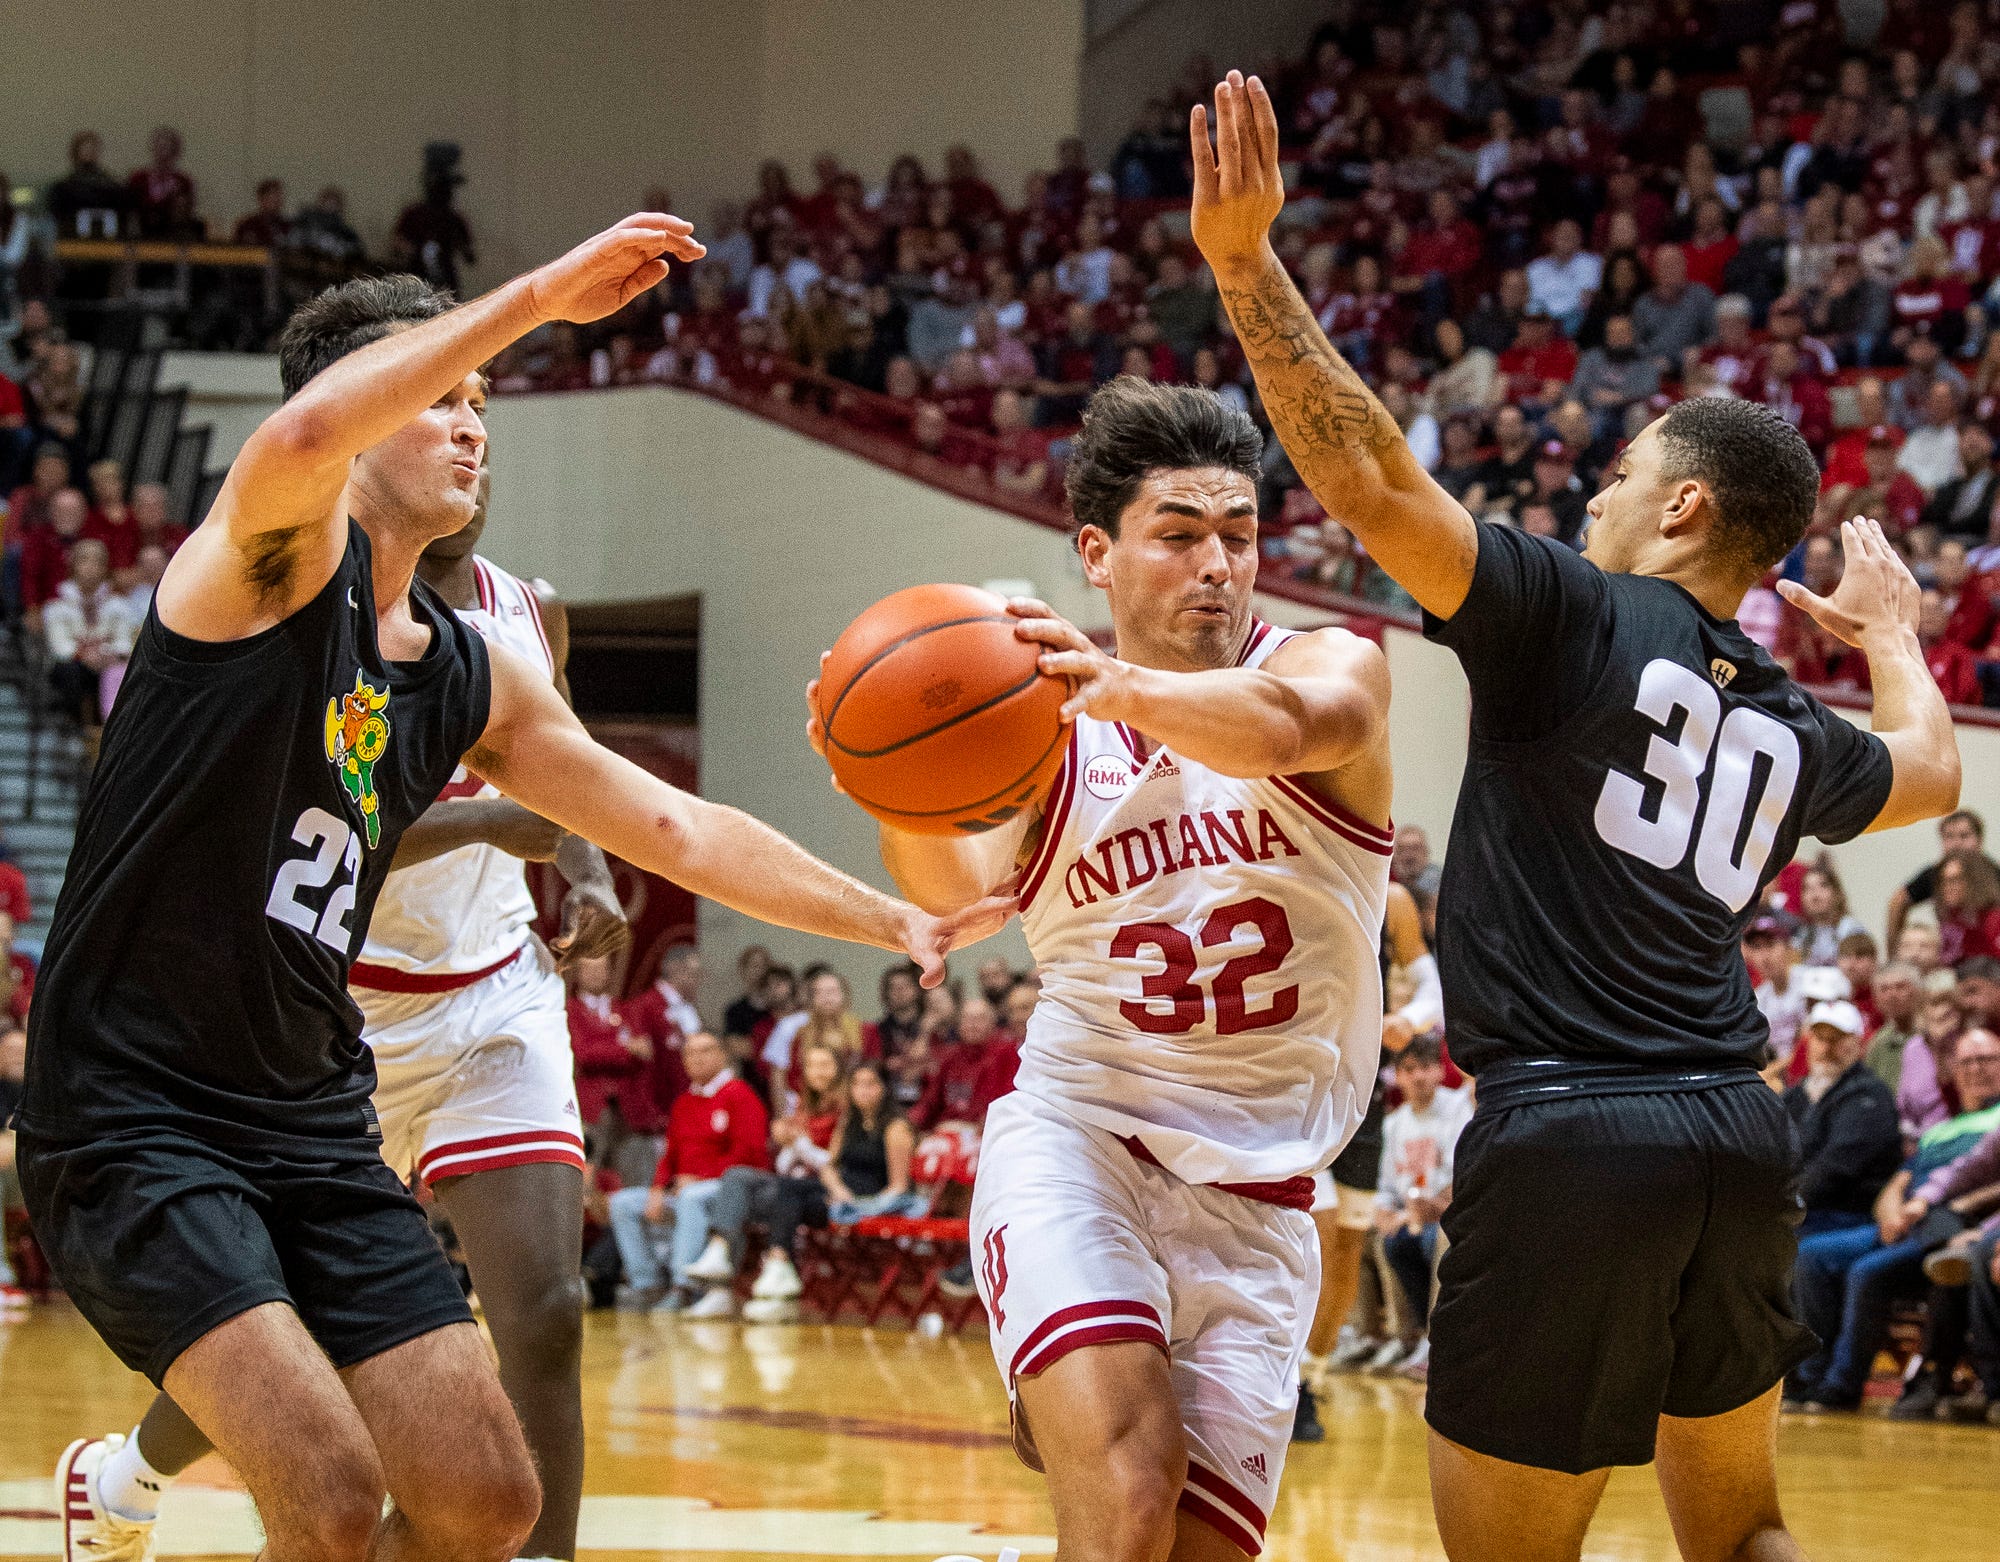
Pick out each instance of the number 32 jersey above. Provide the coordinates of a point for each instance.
(1208, 955)
(1638, 771)
(242, 817)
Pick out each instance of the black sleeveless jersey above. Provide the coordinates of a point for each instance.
(1638, 771)
(243, 815)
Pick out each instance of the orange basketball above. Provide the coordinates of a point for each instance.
(937, 719)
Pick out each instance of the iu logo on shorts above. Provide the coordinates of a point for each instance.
(994, 1268)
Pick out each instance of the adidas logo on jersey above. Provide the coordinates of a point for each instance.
(1138, 856)
(1254, 1465)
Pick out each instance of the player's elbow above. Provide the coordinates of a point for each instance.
(298, 434)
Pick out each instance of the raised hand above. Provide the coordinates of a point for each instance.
(602, 275)
(1238, 190)
(1877, 593)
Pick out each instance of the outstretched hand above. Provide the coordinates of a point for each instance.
(602, 275)
(928, 939)
(1876, 593)
(1238, 188)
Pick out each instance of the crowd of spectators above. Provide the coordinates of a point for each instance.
(1891, 1073)
(309, 244)
(80, 559)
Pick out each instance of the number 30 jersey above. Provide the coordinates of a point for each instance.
(1208, 955)
(242, 817)
(1638, 771)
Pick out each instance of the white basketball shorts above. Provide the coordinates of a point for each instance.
(1076, 1242)
(475, 1079)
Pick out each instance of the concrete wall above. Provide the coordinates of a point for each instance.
(567, 112)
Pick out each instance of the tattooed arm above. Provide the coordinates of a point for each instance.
(1340, 438)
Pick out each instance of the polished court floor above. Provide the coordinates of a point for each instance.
(717, 1440)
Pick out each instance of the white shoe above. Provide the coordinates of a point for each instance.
(713, 1265)
(1353, 1351)
(89, 1533)
(1417, 1364)
(770, 1309)
(716, 1303)
(1389, 1356)
(777, 1280)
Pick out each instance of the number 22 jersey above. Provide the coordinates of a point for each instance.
(1638, 771)
(1207, 947)
(244, 812)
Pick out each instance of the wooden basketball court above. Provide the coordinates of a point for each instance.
(719, 1440)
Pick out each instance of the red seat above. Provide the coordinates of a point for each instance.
(887, 1267)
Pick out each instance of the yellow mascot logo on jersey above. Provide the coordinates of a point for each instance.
(357, 731)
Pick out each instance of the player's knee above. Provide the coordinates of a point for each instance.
(337, 1524)
(1144, 1475)
(483, 1513)
(543, 1332)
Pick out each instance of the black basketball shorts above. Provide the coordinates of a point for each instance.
(161, 1240)
(1614, 1258)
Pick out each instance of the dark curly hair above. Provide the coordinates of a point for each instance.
(1133, 428)
(345, 319)
(1759, 470)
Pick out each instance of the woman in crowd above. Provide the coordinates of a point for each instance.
(825, 1019)
(1968, 905)
(867, 1172)
(784, 1199)
(1824, 917)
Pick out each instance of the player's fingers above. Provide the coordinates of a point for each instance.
(923, 948)
(651, 274)
(1201, 154)
(1047, 631)
(1030, 607)
(1228, 155)
(1815, 607)
(1264, 126)
(1064, 664)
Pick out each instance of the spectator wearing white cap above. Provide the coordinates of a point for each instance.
(1850, 1145)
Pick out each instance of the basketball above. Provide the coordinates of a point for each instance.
(937, 719)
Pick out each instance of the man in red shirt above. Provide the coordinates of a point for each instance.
(28, 505)
(612, 1059)
(1846, 457)
(1540, 364)
(45, 550)
(1954, 666)
(716, 1123)
(162, 189)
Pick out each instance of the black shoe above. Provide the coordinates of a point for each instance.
(1305, 1419)
(1919, 1401)
(956, 1282)
(1825, 1401)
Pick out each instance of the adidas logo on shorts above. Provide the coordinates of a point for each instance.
(1255, 1465)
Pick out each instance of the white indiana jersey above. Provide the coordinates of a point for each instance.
(466, 909)
(1209, 956)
